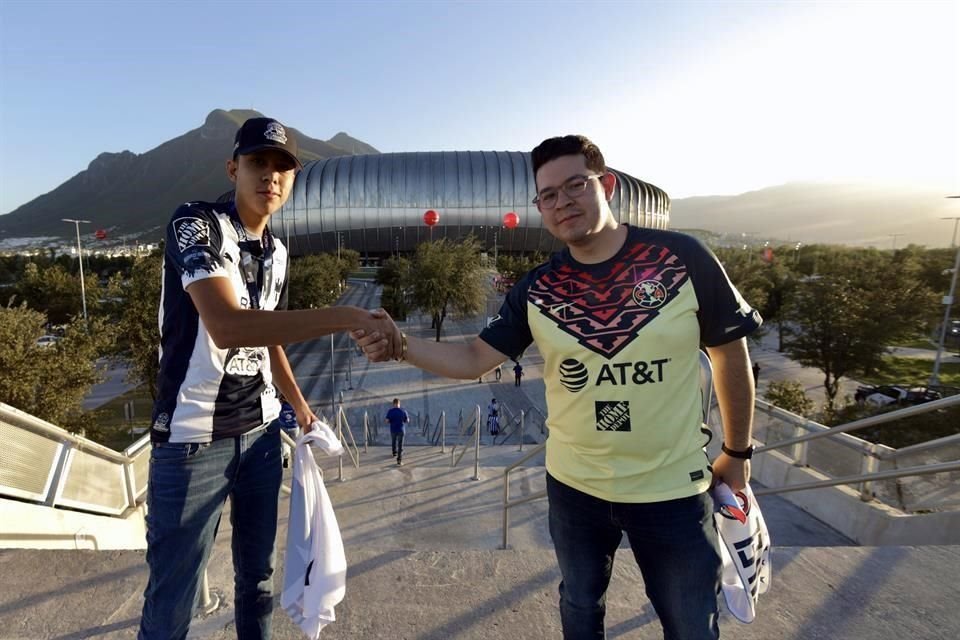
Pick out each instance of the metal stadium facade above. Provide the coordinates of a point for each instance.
(375, 204)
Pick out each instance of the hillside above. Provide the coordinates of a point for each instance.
(854, 214)
(132, 194)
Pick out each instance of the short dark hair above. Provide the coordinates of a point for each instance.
(396, 401)
(572, 145)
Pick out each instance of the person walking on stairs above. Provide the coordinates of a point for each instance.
(398, 419)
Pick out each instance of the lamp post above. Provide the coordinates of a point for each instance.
(947, 303)
(83, 288)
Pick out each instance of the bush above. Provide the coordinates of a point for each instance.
(790, 396)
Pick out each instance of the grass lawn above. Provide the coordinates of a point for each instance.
(114, 428)
(920, 342)
(914, 372)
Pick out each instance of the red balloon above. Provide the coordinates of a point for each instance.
(431, 218)
(511, 220)
(100, 234)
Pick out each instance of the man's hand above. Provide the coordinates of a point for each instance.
(305, 418)
(379, 338)
(735, 472)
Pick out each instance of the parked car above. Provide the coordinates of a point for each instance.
(885, 394)
(47, 341)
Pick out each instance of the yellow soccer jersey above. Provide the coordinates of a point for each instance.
(620, 342)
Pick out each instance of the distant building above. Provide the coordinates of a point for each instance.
(376, 203)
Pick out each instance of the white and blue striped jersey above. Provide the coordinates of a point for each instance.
(206, 393)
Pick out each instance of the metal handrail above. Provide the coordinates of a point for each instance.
(507, 503)
(439, 432)
(923, 446)
(511, 426)
(41, 427)
(455, 460)
(864, 477)
(906, 412)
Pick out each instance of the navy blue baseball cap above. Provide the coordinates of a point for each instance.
(265, 133)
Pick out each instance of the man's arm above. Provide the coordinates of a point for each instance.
(733, 384)
(448, 359)
(285, 381)
(230, 325)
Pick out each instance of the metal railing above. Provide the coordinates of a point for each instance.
(440, 432)
(42, 463)
(863, 464)
(353, 453)
(467, 429)
(514, 424)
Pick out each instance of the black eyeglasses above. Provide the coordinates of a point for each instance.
(573, 187)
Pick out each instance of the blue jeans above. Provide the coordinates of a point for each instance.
(674, 542)
(188, 486)
(396, 443)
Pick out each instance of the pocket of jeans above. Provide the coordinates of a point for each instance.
(172, 452)
(273, 427)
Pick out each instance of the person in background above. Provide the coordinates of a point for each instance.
(517, 373)
(619, 316)
(398, 419)
(493, 417)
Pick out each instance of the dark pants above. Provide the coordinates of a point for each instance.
(517, 382)
(187, 488)
(674, 543)
(396, 443)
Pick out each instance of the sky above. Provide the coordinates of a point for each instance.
(699, 98)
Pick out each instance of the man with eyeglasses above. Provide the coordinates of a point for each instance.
(619, 316)
(215, 432)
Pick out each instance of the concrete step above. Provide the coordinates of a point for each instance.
(849, 593)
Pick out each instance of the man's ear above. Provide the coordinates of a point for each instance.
(609, 182)
(232, 166)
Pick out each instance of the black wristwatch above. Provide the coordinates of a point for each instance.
(742, 455)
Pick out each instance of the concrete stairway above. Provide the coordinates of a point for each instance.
(422, 544)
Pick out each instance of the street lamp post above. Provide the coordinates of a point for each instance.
(947, 303)
(83, 288)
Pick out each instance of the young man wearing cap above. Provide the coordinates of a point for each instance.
(215, 432)
(618, 317)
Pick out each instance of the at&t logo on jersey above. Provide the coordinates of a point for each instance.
(574, 375)
(245, 361)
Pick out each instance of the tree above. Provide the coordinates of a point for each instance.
(314, 281)
(394, 277)
(348, 261)
(790, 396)
(515, 267)
(139, 328)
(53, 291)
(448, 278)
(50, 382)
(842, 320)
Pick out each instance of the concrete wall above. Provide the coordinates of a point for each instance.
(34, 526)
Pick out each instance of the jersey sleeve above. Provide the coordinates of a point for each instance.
(195, 244)
(724, 315)
(509, 331)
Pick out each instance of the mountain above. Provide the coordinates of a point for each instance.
(133, 194)
(853, 214)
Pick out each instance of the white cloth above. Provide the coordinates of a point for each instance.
(745, 549)
(315, 574)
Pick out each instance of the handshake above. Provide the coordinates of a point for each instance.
(378, 336)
